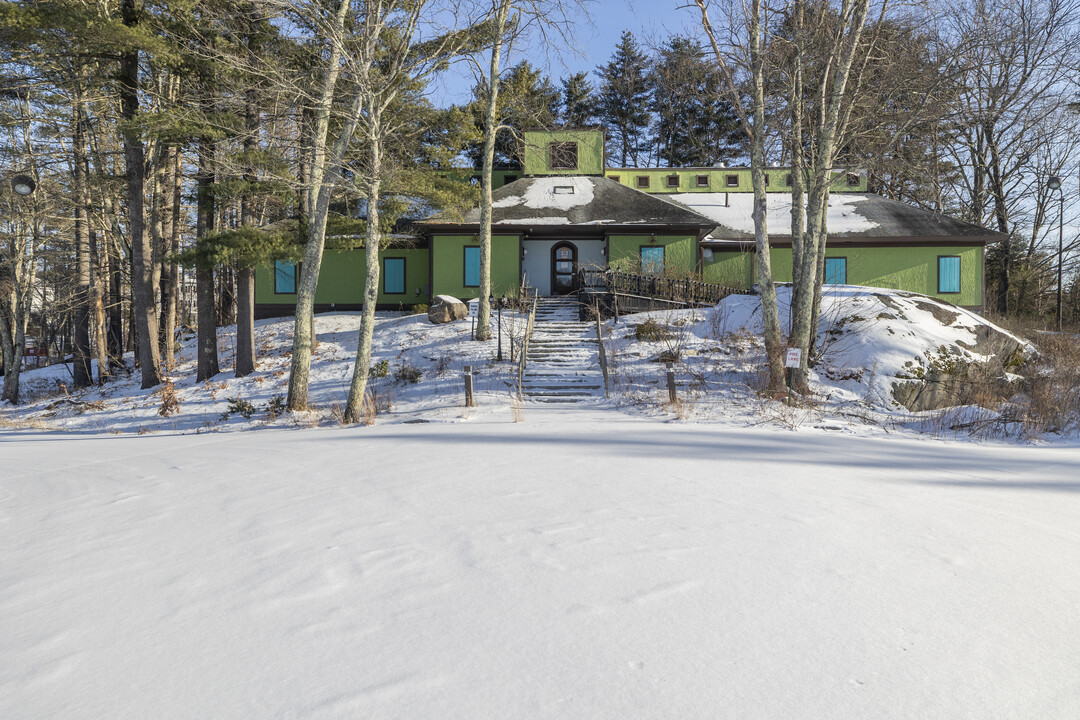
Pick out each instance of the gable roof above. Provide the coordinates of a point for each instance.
(578, 201)
(851, 216)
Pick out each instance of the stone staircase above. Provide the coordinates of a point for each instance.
(563, 364)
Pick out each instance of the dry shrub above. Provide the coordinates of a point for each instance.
(30, 423)
(517, 408)
(170, 401)
(684, 405)
(651, 331)
(1046, 399)
(1052, 397)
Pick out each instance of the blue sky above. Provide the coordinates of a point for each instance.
(649, 20)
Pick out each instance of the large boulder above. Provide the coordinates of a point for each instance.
(446, 308)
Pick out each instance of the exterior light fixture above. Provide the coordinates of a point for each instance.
(23, 185)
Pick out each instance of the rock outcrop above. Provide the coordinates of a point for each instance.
(446, 308)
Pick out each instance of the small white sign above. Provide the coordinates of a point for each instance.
(794, 358)
(474, 308)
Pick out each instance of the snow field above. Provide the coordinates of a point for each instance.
(582, 564)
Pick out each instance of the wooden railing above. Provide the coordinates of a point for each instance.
(525, 344)
(681, 290)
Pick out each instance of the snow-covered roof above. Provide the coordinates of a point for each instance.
(579, 200)
(852, 216)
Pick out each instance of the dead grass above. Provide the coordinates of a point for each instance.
(1045, 399)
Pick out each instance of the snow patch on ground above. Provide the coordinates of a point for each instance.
(406, 348)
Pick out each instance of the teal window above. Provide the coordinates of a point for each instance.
(652, 259)
(948, 274)
(472, 266)
(284, 277)
(835, 271)
(393, 272)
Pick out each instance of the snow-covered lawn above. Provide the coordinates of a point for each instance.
(582, 564)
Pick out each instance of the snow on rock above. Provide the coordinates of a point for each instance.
(883, 352)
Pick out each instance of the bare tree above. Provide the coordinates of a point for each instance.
(741, 58)
(552, 21)
(389, 57)
(1021, 56)
(830, 86)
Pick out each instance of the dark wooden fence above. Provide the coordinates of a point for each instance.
(679, 290)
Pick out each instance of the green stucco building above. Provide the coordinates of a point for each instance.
(565, 210)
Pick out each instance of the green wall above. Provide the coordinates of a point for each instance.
(717, 180)
(498, 177)
(680, 251)
(900, 268)
(914, 269)
(341, 279)
(342, 276)
(731, 268)
(590, 151)
(448, 256)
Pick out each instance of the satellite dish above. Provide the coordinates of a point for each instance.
(23, 185)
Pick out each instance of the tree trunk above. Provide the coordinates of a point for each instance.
(769, 311)
(207, 366)
(145, 305)
(354, 407)
(169, 239)
(798, 163)
(245, 271)
(245, 320)
(82, 371)
(825, 140)
(483, 319)
(323, 172)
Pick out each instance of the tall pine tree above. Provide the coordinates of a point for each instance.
(526, 99)
(578, 101)
(625, 101)
(696, 126)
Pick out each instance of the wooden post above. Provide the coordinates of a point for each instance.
(672, 394)
(603, 352)
(469, 402)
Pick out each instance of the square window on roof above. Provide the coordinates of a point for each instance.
(563, 190)
(731, 181)
(614, 178)
(563, 155)
(702, 181)
(643, 181)
(673, 181)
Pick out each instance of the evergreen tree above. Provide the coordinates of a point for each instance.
(526, 99)
(696, 126)
(624, 102)
(578, 101)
